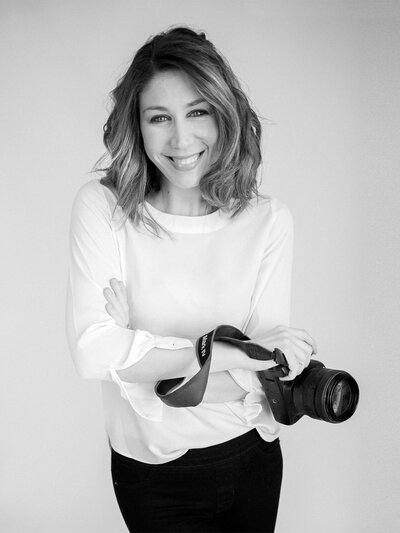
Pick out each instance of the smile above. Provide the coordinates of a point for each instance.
(185, 163)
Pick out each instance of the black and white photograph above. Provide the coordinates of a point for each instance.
(201, 268)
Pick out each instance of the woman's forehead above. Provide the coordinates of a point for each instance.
(171, 87)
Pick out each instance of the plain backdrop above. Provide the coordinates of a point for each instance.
(325, 76)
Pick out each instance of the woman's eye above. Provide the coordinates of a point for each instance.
(158, 118)
(199, 112)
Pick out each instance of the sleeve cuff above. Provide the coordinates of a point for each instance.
(144, 341)
(250, 407)
(141, 396)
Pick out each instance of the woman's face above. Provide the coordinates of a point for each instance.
(178, 128)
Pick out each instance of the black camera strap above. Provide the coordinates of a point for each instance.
(191, 392)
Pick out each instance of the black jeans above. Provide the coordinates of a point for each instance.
(231, 487)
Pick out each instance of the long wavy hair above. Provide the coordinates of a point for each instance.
(231, 182)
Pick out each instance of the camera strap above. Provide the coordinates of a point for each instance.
(179, 392)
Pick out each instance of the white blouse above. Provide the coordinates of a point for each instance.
(211, 270)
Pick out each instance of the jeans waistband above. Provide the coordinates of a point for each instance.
(219, 452)
(210, 454)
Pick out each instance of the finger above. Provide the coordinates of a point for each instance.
(123, 288)
(119, 317)
(294, 371)
(119, 308)
(118, 299)
(258, 365)
(311, 342)
(314, 349)
(289, 377)
(110, 296)
(112, 311)
(303, 335)
(118, 287)
(303, 352)
(121, 293)
(297, 359)
(112, 299)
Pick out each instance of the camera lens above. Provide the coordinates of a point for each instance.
(323, 393)
(337, 397)
(341, 396)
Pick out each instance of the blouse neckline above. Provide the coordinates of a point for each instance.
(188, 224)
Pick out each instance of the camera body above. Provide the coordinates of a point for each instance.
(319, 392)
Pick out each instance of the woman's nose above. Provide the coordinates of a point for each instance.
(181, 136)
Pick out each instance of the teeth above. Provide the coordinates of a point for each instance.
(187, 161)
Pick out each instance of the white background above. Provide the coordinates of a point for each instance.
(326, 73)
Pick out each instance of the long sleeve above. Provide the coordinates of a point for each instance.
(270, 304)
(98, 346)
(215, 269)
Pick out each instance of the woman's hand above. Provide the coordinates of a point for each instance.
(297, 345)
(117, 302)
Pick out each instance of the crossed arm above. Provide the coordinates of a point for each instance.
(101, 344)
(297, 345)
(221, 386)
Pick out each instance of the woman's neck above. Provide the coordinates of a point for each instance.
(184, 202)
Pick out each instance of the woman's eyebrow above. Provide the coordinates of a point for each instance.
(155, 108)
(196, 102)
(162, 108)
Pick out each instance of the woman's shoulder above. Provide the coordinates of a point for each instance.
(94, 195)
(92, 190)
(270, 210)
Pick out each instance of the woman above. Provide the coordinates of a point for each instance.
(178, 242)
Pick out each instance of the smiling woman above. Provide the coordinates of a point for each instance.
(180, 138)
(177, 229)
(186, 61)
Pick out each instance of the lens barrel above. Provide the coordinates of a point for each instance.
(325, 394)
(338, 399)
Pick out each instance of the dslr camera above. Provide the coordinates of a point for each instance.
(318, 392)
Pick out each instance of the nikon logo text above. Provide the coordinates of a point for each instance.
(203, 346)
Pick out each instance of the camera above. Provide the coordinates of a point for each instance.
(318, 392)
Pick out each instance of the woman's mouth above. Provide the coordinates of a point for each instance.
(185, 163)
